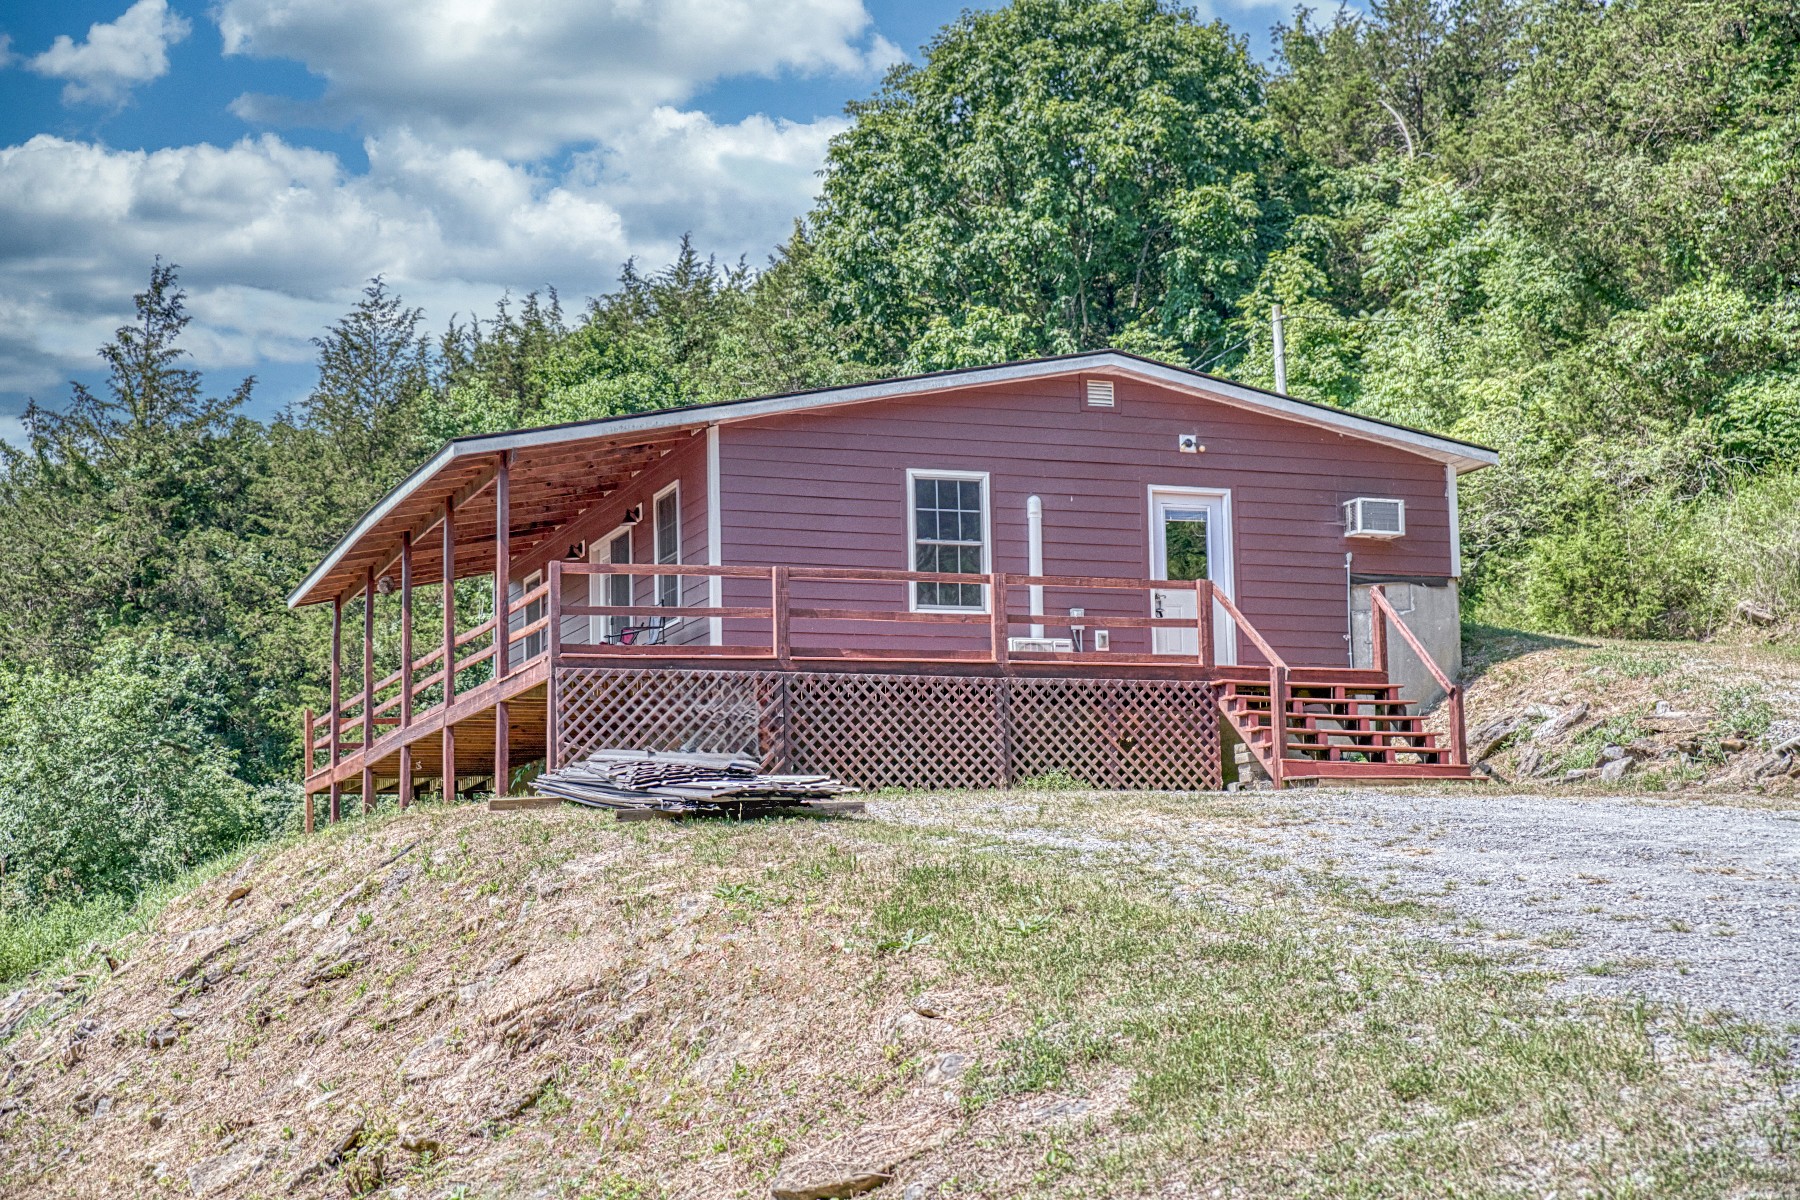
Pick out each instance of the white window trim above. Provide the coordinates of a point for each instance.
(600, 551)
(1224, 563)
(656, 556)
(913, 474)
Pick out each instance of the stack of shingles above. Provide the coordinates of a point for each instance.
(672, 783)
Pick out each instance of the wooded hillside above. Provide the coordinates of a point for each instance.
(1566, 229)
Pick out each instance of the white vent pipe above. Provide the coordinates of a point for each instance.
(1280, 351)
(1034, 557)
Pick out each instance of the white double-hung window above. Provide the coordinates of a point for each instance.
(947, 523)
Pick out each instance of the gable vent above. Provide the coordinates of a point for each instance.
(1369, 517)
(1100, 393)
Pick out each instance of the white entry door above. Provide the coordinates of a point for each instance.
(1190, 538)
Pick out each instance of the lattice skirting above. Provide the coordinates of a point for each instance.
(912, 731)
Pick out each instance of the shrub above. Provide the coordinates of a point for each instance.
(116, 778)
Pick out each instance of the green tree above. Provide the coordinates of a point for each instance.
(107, 515)
(1058, 175)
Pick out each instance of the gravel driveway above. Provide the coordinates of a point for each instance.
(1674, 901)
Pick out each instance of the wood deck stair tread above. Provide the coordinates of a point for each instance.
(1359, 732)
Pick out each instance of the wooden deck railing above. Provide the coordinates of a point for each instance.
(999, 588)
(402, 695)
(403, 689)
(1380, 613)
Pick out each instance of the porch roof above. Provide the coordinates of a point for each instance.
(559, 471)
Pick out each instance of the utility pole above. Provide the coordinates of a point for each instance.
(1280, 352)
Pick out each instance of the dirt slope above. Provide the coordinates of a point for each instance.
(1551, 712)
(404, 1003)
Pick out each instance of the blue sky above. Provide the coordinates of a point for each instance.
(283, 151)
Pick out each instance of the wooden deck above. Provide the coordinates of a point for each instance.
(465, 729)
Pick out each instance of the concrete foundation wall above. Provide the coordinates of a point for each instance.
(1434, 614)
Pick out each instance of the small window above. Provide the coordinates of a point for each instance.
(949, 526)
(668, 546)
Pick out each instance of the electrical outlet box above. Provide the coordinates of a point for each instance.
(1102, 639)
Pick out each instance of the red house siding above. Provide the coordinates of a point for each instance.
(828, 488)
(685, 466)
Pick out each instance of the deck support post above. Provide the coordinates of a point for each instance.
(781, 646)
(502, 750)
(552, 688)
(1001, 626)
(306, 762)
(368, 691)
(503, 567)
(337, 701)
(449, 648)
(406, 668)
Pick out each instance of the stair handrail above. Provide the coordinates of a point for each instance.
(1278, 685)
(1381, 611)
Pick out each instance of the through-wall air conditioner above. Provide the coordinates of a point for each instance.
(1369, 517)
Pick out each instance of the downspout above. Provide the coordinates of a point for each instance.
(1350, 609)
(1034, 557)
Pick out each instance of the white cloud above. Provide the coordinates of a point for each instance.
(116, 57)
(274, 240)
(466, 107)
(522, 80)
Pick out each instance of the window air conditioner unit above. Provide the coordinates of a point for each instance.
(1368, 517)
(1043, 645)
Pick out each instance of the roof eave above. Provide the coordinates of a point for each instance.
(1462, 456)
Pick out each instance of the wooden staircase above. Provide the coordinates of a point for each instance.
(1354, 732)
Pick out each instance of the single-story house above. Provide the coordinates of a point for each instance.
(1096, 564)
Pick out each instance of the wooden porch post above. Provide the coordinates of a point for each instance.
(553, 688)
(1377, 631)
(781, 646)
(1000, 625)
(406, 668)
(337, 699)
(449, 648)
(503, 566)
(502, 751)
(368, 690)
(502, 617)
